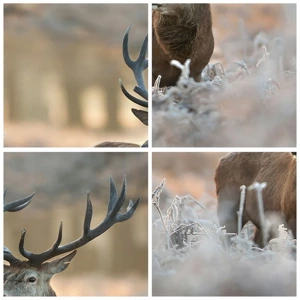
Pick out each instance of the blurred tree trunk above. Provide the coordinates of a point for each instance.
(10, 101)
(23, 86)
(68, 55)
(112, 108)
(73, 91)
(109, 73)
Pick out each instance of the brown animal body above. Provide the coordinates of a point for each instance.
(180, 32)
(278, 170)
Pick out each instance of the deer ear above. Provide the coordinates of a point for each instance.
(60, 264)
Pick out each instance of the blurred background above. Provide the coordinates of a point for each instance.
(186, 174)
(62, 64)
(115, 263)
(235, 24)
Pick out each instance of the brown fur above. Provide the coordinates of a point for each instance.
(16, 281)
(18, 277)
(118, 145)
(277, 169)
(181, 32)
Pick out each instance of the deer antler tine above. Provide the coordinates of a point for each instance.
(88, 215)
(59, 238)
(132, 98)
(142, 55)
(4, 194)
(113, 196)
(129, 62)
(123, 217)
(137, 68)
(117, 202)
(17, 204)
(25, 253)
(19, 207)
(13, 207)
(8, 256)
(141, 63)
(37, 259)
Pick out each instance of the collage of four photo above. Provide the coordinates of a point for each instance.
(200, 172)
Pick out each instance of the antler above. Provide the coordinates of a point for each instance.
(8, 256)
(13, 207)
(113, 216)
(137, 68)
(17, 204)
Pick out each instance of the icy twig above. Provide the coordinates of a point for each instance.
(155, 201)
(265, 56)
(258, 187)
(241, 208)
(189, 197)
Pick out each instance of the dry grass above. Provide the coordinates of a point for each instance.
(191, 257)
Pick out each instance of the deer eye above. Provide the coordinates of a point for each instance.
(31, 279)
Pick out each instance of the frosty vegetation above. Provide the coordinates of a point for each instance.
(247, 101)
(191, 256)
